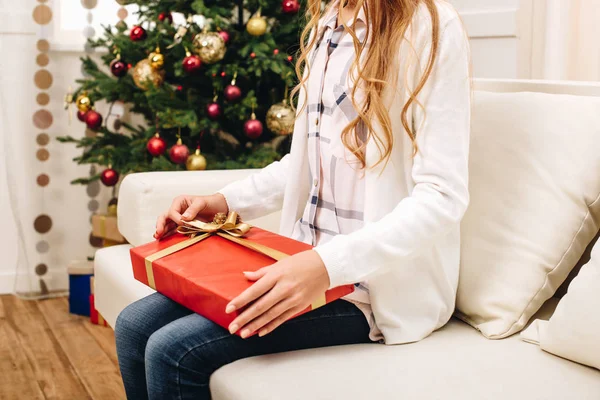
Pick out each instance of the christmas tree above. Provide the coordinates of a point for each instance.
(206, 88)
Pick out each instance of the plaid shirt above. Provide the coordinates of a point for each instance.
(336, 200)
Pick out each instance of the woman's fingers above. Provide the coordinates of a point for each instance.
(267, 317)
(256, 310)
(161, 223)
(256, 275)
(274, 324)
(198, 205)
(252, 293)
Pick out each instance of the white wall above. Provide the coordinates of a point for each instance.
(493, 26)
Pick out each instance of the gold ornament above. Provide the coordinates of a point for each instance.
(83, 102)
(145, 76)
(112, 210)
(210, 47)
(196, 162)
(157, 59)
(257, 25)
(281, 118)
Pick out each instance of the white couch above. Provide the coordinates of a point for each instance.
(456, 362)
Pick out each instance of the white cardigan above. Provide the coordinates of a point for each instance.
(409, 248)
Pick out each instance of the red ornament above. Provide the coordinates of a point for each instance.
(223, 74)
(214, 111)
(137, 33)
(118, 68)
(191, 63)
(163, 16)
(129, 66)
(253, 128)
(179, 153)
(276, 51)
(290, 58)
(290, 6)
(233, 93)
(156, 146)
(93, 119)
(253, 55)
(81, 115)
(225, 36)
(179, 88)
(109, 176)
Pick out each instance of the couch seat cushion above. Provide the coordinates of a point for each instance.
(453, 363)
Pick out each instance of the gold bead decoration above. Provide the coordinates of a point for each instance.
(210, 47)
(257, 25)
(281, 118)
(145, 76)
(157, 59)
(195, 162)
(83, 102)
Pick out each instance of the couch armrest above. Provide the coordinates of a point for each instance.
(143, 196)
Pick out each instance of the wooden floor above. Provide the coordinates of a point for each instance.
(47, 353)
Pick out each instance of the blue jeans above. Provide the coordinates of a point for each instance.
(166, 351)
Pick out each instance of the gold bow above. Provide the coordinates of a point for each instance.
(227, 223)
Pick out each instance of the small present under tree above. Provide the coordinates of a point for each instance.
(212, 90)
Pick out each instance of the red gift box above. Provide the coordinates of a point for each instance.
(95, 317)
(204, 273)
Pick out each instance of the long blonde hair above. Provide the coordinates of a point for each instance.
(388, 19)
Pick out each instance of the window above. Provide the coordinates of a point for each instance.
(72, 27)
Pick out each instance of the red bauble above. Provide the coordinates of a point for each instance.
(137, 33)
(214, 111)
(253, 55)
(164, 16)
(156, 146)
(276, 51)
(225, 36)
(81, 115)
(233, 93)
(93, 119)
(179, 153)
(118, 68)
(109, 177)
(191, 64)
(253, 128)
(290, 6)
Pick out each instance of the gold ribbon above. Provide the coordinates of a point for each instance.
(228, 226)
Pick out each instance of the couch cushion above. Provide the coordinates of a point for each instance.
(573, 332)
(535, 184)
(115, 287)
(455, 362)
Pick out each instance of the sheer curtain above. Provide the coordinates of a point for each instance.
(567, 43)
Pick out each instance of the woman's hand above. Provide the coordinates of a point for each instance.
(281, 291)
(186, 208)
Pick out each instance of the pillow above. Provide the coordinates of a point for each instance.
(535, 188)
(573, 332)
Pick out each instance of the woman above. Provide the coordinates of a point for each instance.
(376, 180)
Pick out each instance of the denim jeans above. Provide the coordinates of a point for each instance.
(166, 351)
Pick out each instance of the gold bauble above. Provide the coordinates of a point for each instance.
(257, 25)
(210, 47)
(280, 119)
(112, 210)
(196, 162)
(145, 76)
(157, 59)
(83, 103)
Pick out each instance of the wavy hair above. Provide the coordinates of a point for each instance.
(389, 19)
